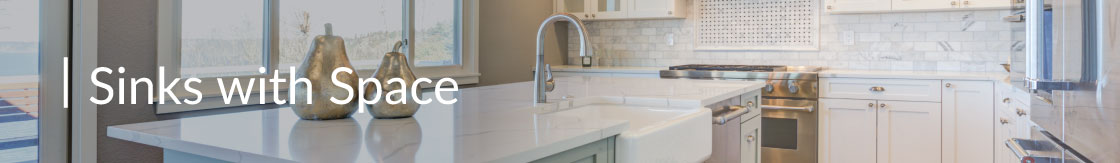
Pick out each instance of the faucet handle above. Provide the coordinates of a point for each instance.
(549, 84)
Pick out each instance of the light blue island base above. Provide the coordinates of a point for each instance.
(173, 156)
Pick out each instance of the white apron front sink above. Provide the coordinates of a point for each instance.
(657, 134)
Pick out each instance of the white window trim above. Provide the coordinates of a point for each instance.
(168, 56)
(83, 113)
(66, 132)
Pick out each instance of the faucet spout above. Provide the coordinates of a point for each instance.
(539, 76)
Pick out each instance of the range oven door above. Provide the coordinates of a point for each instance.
(1044, 147)
(782, 118)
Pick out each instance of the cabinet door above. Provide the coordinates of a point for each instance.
(751, 148)
(579, 8)
(909, 132)
(967, 106)
(847, 130)
(997, 139)
(610, 9)
(986, 3)
(858, 5)
(657, 9)
(923, 4)
(1005, 129)
(1020, 114)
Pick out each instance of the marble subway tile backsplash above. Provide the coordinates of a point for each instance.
(974, 41)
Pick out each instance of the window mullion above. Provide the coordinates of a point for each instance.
(409, 30)
(272, 36)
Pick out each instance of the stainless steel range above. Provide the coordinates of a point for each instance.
(789, 102)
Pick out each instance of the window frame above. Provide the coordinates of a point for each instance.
(169, 56)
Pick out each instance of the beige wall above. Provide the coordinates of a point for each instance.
(126, 38)
(507, 39)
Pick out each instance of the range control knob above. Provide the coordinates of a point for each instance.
(793, 87)
(769, 87)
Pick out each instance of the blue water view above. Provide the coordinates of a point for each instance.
(19, 63)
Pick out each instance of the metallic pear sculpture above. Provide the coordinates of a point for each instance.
(393, 65)
(327, 53)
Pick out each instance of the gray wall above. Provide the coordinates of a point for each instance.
(507, 39)
(126, 38)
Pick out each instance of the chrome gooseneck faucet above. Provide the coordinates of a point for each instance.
(542, 75)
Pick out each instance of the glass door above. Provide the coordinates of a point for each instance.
(19, 80)
(575, 7)
(610, 9)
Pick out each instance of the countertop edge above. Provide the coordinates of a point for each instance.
(609, 69)
(219, 153)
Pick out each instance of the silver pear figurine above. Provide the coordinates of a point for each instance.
(393, 65)
(327, 53)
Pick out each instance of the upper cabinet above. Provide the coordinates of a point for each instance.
(650, 9)
(874, 6)
(575, 7)
(622, 9)
(902, 5)
(857, 5)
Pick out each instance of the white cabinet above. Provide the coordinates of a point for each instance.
(908, 120)
(841, 6)
(965, 104)
(611, 9)
(1012, 120)
(622, 9)
(1005, 129)
(909, 132)
(579, 8)
(751, 148)
(658, 9)
(986, 3)
(847, 130)
(879, 131)
(923, 4)
(874, 6)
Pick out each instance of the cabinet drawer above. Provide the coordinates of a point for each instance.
(891, 89)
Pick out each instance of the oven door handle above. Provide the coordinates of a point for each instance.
(736, 112)
(800, 108)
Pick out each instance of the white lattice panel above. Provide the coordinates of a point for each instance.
(757, 25)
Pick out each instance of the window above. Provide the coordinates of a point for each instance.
(221, 40)
(369, 27)
(435, 26)
(19, 79)
(233, 40)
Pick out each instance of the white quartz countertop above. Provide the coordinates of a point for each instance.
(932, 75)
(827, 73)
(609, 69)
(488, 124)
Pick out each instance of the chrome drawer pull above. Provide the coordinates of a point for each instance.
(735, 112)
(878, 89)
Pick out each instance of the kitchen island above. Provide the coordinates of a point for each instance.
(488, 124)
